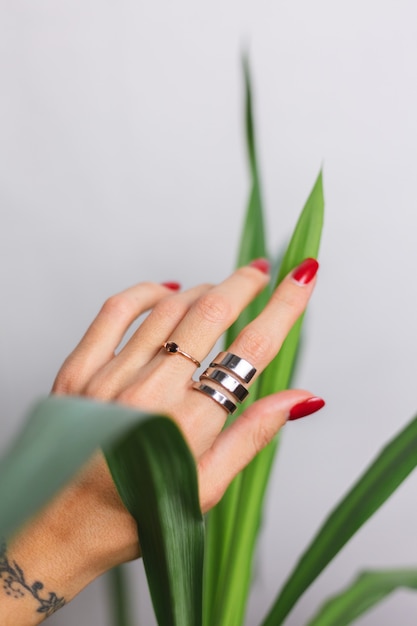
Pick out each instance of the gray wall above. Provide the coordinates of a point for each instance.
(122, 159)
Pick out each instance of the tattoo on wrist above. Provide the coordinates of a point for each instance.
(13, 582)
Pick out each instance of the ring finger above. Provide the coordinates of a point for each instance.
(124, 368)
(102, 338)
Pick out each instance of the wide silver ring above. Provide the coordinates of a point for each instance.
(215, 395)
(240, 367)
(173, 348)
(227, 382)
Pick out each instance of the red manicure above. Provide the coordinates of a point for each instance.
(263, 265)
(306, 271)
(306, 407)
(173, 286)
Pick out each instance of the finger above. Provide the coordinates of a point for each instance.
(160, 323)
(100, 341)
(124, 368)
(258, 343)
(238, 444)
(215, 311)
(261, 340)
(165, 383)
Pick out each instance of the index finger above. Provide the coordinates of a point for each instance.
(261, 339)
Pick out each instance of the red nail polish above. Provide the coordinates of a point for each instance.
(306, 271)
(172, 285)
(306, 407)
(263, 265)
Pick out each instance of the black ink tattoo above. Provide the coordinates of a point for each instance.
(13, 581)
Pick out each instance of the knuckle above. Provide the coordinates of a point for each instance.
(119, 306)
(261, 437)
(255, 345)
(128, 397)
(68, 379)
(214, 307)
(169, 308)
(143, 395)
(101, 389)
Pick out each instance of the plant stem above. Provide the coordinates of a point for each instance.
(120, 600)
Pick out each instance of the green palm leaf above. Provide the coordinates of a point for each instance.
(366, 591)
(234, 523)
(380, 480)
(153, 469)
(305, 242)
(254, 479)
(60, 434)
(222, 519)
(154, 472)
(120, 601)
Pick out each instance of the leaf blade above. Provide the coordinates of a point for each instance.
(390, 468)
(231, 600)
(120, 607)
(305, 242)
(222, 519)
(51, 437)
(366, 591)
(151, 468)
(63, 432)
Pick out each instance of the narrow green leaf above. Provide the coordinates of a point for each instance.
(248, 513)
(364, 593)
(155, 474)
(374, 487)
(60, 433)
(222, 519)
(120, 606)
(304, 243)
(153, 469)
(249, 119)
(252, 242)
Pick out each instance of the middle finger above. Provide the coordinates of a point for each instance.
(214, 312)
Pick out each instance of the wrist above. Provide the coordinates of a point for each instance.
(91, 528)
(83, 532)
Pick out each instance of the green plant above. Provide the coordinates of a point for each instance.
(150, 462)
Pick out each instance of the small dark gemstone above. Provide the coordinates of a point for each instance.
(170, 346)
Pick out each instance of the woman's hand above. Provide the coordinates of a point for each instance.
(87, 528)
(144, 375)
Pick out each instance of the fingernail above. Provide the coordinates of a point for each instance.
(263, 265)
(306, 271)
(172, 285)
(306, 407)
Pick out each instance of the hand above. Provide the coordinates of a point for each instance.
(86, 529)
(143, 375)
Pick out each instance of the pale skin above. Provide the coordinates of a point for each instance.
(86, 529)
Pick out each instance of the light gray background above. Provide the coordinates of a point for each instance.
(122, 159)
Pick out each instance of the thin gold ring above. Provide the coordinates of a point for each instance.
(173, 348)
